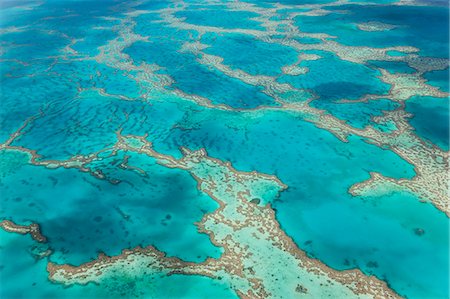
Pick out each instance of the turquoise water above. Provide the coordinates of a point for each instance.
(17, 263)
(80, 99)
(100, 217)
(357, 228)
(331, 220)
(431, 39)
(221, 89)
(211, 16)
(253, 54)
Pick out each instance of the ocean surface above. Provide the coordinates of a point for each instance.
(319, 94)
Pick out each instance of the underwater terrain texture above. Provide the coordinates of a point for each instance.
(224, 149)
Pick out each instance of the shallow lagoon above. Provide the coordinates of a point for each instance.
(20, 263)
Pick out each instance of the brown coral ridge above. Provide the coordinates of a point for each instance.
(245, 228)
(32, 229)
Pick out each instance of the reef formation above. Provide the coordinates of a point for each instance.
(258, 149)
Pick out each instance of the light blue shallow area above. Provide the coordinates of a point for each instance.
(414, 265)
(24, 276)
